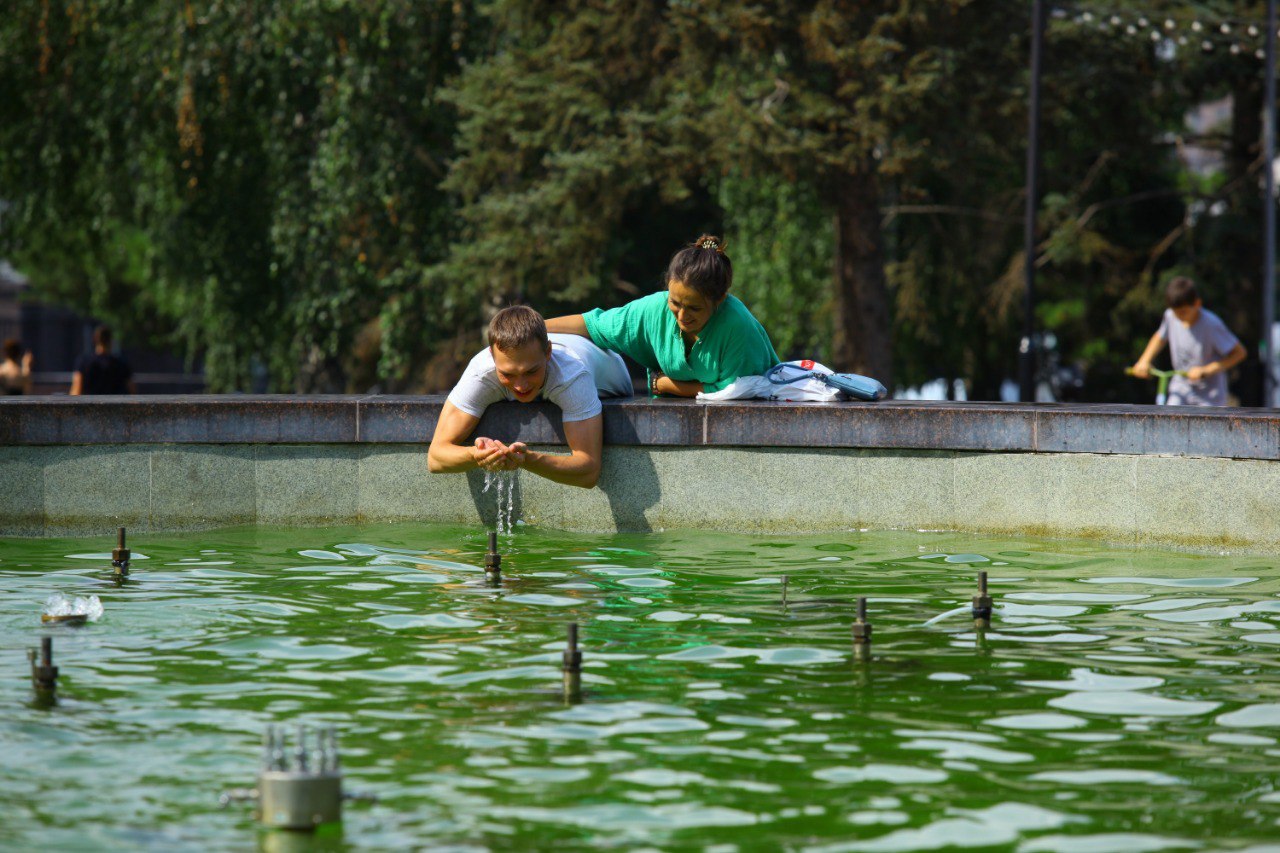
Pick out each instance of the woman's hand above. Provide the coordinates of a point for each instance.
(570, 324)
(664, 385)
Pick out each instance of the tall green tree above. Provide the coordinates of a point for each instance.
(609, 101)
(277, 186)
(902, 125)
(255, 182)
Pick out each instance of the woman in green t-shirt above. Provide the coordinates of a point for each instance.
(691, 337)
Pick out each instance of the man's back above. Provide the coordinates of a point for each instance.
(103, 373)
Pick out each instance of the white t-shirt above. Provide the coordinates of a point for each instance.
(579, 373)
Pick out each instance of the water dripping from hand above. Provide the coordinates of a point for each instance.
(506, 495)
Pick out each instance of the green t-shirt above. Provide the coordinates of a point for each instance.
(732, 344)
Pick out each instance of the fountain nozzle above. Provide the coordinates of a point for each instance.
(493, 561)
(572, 654)
(301, 796)
(862, 633)
(572, 666)
(44, 675)
(982, 606)
(120, 554)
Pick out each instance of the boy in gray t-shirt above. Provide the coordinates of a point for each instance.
(1199, 343)
(524, 364)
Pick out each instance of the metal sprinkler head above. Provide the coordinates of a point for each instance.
(44, 675)
(120, 555)
(982, 605)
(862, 633)
(301, 796)
(572, 654)
(493, 561)
(572, 665)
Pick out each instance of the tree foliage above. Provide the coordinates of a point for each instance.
(253, 181)
(332, 192)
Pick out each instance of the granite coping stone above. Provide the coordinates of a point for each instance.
(893, 424)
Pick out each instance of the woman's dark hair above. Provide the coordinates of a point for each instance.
(512, 328)
(704, 266)
(13, 349)
(1180, 292)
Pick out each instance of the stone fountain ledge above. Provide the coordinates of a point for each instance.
(1203, 478)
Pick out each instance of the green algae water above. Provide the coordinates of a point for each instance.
(1122, 700)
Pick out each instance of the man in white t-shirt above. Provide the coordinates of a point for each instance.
(524, 364)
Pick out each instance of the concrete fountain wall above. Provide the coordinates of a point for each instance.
(1125, 474)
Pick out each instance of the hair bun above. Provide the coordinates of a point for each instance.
(709, 241)
(710, 273)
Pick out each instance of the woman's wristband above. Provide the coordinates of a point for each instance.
(654, 376)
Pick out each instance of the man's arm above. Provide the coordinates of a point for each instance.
(570, 324)
(1142, 368)
(450, 453)
(77, 384)
(581, 467)
(1227, 362)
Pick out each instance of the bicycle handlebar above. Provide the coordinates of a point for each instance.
(1157, 372)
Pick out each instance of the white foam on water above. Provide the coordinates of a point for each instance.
(82, 605)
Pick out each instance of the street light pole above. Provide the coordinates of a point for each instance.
(1026, 349)
(1269, 215)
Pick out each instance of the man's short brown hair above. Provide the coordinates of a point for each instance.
(1180, 292)
(514, 327)
(102, 336)
(13, 349)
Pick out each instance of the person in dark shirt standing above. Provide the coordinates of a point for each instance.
(102, 372)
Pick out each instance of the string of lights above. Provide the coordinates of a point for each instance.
(1236, 36)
